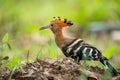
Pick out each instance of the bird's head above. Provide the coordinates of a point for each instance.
(57, 24)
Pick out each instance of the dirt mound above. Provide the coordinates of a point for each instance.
(54, 69)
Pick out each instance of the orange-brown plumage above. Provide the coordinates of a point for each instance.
(59, 22)
(61, 40)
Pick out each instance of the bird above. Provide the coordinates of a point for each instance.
(76, 48)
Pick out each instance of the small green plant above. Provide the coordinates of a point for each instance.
(5, 41)
(15, 61)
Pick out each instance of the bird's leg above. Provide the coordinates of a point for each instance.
(77, 60)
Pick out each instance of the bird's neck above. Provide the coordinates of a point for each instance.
(60, 38)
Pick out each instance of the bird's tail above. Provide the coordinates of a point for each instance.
(109, 66)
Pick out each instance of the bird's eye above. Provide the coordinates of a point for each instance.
(51, 24)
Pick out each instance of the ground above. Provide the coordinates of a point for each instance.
(55, 69)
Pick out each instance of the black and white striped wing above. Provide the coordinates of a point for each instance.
(79, 49)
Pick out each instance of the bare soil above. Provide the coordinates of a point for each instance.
(55, 69)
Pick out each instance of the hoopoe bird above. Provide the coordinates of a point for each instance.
(76, 48)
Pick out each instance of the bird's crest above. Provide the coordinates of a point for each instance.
(61, 22)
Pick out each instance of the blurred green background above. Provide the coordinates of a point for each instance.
(96, 21)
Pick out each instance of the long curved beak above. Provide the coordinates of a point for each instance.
(44, 27)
